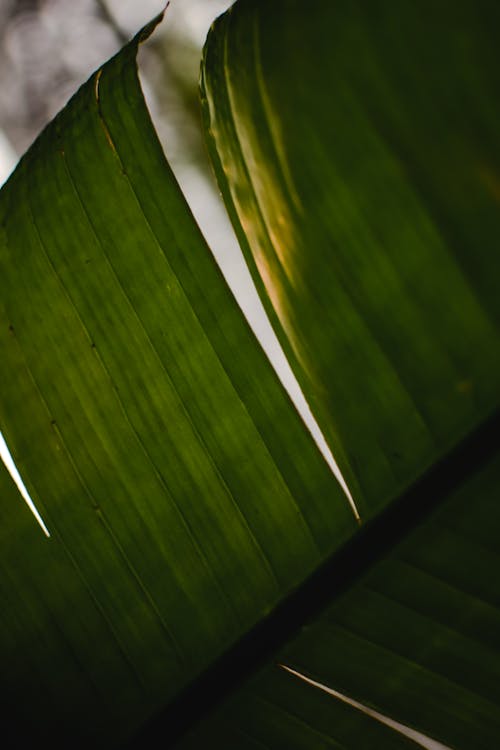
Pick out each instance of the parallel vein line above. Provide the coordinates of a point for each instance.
(331, 742)
(216, 354)
(158, 475)
(185, 411)
(128, 660)
(356, 635)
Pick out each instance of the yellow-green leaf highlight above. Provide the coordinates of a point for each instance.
(356, 145)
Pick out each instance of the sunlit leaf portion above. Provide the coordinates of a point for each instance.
(357, 148)
(183, 494)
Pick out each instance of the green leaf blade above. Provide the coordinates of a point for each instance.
(351, 201)
(414, 639)
(164, 455)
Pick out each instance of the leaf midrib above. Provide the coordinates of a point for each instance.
(339, 573)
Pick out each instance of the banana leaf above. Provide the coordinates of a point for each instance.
(182, 492)
(356, 145)
(405, 653)
(356, 148)
(194, 525)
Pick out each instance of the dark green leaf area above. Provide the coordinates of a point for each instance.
(416, 639)
(183, 493)
(357, 148)
(66, 677)
(279, 712)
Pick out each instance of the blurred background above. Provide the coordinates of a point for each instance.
(48, 48)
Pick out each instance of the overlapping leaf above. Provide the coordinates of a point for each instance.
(356, 146)
(357, 149)
(416, 639)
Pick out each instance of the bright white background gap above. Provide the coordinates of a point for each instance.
(8, 158)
